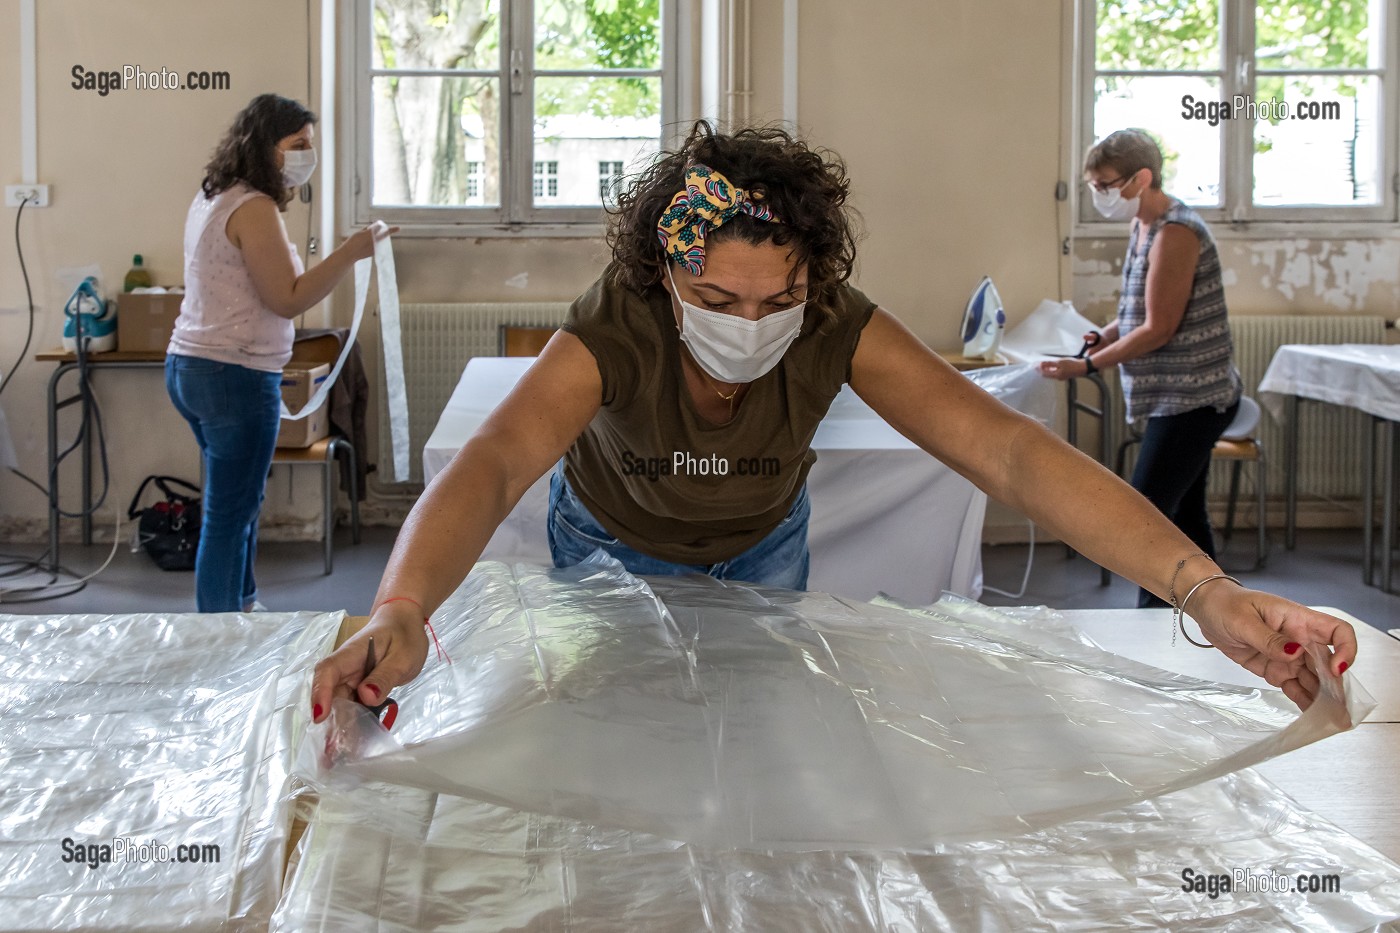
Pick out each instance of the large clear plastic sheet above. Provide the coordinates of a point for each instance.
(400, 860)
(736, 716)
(139, 732)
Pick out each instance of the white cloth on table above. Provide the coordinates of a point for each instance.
(886, 517)
(1356, 375)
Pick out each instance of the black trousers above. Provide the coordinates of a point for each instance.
(1172, 469)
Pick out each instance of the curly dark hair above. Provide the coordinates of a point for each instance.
(246, 152)
(806, 189)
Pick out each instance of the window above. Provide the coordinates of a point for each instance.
(476, 172)
(609, 181)
(467, 108)
(1284, 110)
(546, 180)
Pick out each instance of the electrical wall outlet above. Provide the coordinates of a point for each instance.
(38, 195)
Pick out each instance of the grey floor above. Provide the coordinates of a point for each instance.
(1324, 570)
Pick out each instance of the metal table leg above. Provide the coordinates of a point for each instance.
(1388, 502)
(1368, 505)
(51, 472)
(1290, 528)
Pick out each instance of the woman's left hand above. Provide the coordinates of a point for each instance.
(1269, 636)
(1070, 367)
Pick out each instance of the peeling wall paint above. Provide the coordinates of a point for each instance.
(1339, 274)
(1281, 276)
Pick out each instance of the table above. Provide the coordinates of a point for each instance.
(915, 533)
(1347, 779)
(67, 362)
(1362, 376)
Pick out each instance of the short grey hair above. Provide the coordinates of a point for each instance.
(1126, 152)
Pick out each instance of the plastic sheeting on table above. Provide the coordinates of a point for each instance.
(398, 860)
(731, 715)
(158, 729)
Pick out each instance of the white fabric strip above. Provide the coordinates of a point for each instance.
(393, 346)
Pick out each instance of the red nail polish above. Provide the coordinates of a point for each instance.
(1291, 648)
(1342, 668)
(373, 689)
(316, 711)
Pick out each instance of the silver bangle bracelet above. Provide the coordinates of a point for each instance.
(1179, 620)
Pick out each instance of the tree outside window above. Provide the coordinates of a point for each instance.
(463, 100)
(1280, 110)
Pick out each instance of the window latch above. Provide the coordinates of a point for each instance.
(517, 72)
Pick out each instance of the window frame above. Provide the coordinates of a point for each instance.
(517, 214)
(1237, 75)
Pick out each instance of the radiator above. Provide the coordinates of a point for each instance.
(1329, 460)
(438, 341)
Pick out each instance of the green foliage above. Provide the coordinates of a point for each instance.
(595, 34)
(1173, 34)
(1312, 34)
(1182, 34)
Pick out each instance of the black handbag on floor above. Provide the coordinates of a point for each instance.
(168, 530)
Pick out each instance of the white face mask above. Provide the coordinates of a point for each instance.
(297, 166)
(733, 349)
(1112, 205)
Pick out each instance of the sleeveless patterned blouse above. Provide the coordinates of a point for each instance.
(1195, 368)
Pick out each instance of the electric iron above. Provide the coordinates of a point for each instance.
(983, 322)
(97, 317)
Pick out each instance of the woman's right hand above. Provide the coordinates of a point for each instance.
(400, 648)
(360, 244)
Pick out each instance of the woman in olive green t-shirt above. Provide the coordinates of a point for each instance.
(720, 333)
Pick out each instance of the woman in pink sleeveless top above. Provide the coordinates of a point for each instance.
(244, 282)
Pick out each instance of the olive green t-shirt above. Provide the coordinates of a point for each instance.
(659, 477)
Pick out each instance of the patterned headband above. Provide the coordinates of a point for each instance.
(708, 201)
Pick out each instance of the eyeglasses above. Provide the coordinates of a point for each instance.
(1101, 187)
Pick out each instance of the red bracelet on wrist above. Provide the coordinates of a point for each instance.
(426, 623)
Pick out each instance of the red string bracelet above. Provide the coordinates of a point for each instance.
(436, 644)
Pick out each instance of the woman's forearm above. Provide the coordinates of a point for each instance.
(1095, 512)
(313, 285)
(446, 531)
(1139, 342)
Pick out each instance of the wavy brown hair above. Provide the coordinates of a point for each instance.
(806, 189)
(246, 152)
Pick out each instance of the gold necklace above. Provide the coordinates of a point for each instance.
(728, 398)
(707, 379)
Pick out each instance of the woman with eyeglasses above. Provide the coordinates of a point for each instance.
(1171, 340)
(724, 326)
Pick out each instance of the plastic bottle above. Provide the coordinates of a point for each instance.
(138, 277)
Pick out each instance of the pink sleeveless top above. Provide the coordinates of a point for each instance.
(221, 317)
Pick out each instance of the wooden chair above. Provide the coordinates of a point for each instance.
(326, 452)
(523, 340)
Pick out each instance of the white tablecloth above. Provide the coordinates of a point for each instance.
(886, 517)
(1357, 375)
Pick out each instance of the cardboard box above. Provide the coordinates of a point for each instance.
(144, 322)
(299, 383)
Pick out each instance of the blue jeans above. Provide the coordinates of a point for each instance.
(780, 559)
(233, 412)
